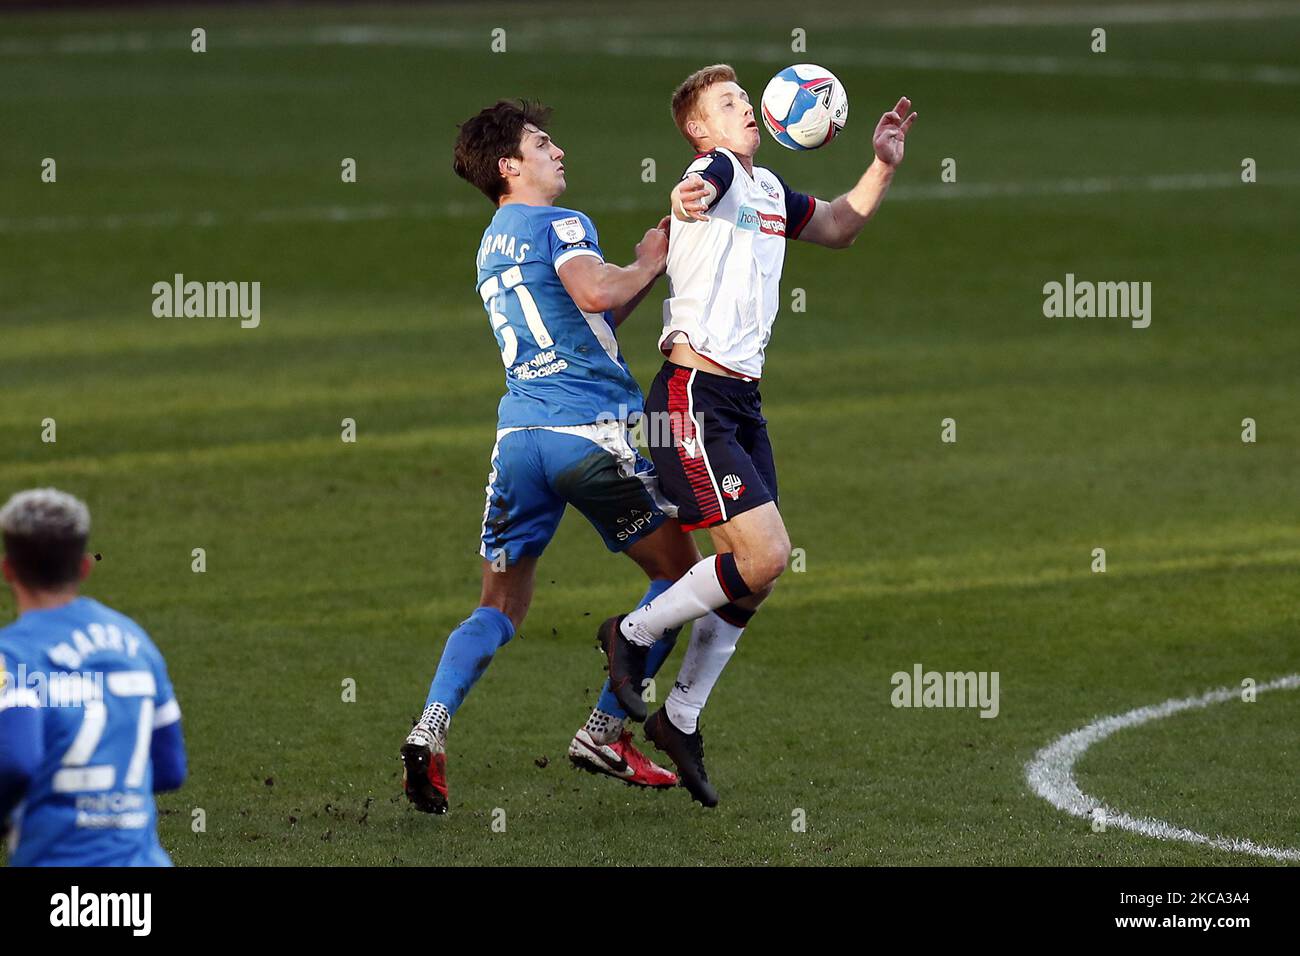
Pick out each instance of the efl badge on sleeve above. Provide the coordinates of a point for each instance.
(569, 230)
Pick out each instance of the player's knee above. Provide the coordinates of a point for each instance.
(765, 567)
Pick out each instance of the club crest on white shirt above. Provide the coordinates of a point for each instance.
(569, 230)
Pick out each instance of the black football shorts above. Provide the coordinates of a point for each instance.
(708, 441)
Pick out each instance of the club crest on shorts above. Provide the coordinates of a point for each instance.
(733, 487)
(569, 230)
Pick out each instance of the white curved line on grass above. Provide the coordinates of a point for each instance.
(1051, 773)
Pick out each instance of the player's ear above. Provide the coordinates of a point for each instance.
(83, 571)
(695, 130)
(7, 569)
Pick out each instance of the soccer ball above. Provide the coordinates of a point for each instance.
(804, 106)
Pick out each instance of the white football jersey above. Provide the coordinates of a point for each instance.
(724, 275)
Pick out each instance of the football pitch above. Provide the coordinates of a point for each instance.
(333, 570)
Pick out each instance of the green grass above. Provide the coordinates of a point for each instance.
(329, 561)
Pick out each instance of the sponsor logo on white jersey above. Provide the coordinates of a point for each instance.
(725, 273)
(751, 219)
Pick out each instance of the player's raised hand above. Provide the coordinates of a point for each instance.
(690, 199)
(891, 132)
(653, 247)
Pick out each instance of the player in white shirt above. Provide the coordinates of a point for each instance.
(725, 256)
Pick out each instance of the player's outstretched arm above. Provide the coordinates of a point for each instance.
(836, 224)
(597, 286)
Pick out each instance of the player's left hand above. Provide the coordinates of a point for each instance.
(653, 248)
(891, 132)
(690, 199)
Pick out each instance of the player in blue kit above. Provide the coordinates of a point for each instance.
(89, 726)
(553, 304)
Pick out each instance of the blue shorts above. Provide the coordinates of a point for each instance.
(537, 471)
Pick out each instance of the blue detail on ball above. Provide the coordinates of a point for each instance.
(803, 102)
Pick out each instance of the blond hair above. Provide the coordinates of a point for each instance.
(687, 96)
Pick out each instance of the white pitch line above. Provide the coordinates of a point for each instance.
(1051, 773)
(1096, 15)
(466, 209)
(578, 38)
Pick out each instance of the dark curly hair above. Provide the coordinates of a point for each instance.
(491, 134)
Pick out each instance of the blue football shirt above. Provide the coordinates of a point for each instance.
(99, 689)
(563, 365)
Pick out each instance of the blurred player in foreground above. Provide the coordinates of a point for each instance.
(89, 726)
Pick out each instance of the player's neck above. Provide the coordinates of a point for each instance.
(29, 600)
(526, 197)
(746, 162)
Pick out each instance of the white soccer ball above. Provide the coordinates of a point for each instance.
(805, 106)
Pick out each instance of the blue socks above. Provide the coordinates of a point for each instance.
(468, 652)
(471, 646)
(654, 658)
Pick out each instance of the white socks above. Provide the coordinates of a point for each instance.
(713, 641)
(694, 593)
(604, 728)
(435, 719)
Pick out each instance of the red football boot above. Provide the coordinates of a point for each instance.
(424, 771)
(619, 759)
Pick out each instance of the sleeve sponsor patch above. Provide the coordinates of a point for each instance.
(569, 230)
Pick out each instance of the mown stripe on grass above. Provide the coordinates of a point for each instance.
(594, 40)
(255, 455)
(806, 594)
(458, 209)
